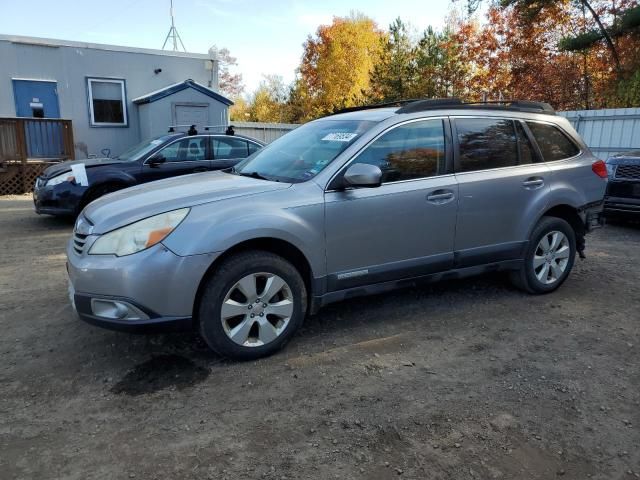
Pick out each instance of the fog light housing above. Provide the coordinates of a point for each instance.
(116, 310)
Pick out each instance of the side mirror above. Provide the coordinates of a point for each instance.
(363, 175)
(156, 160)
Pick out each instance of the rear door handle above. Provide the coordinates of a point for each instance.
(531, 183)
(440, 196)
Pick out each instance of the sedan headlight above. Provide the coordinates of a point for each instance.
(138, 236)
(64, 177)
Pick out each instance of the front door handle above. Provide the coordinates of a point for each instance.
(440, 196)
(200, 169)
(533, 182)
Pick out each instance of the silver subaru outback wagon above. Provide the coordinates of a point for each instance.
(351, 204)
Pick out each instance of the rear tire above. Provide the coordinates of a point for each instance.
(549, 257)
(252, 305)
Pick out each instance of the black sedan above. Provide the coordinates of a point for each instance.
(623, 188)
(66, 188)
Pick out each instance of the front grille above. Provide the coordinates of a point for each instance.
(628, 172)
(78, 242)
(81, 231)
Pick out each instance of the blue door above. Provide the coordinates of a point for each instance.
(38, 99)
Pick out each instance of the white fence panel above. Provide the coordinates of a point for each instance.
(608, 131)
(265, 132)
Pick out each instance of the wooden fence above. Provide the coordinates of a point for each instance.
(28, 146)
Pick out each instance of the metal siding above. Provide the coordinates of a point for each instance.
(70, 65)
(608, 131)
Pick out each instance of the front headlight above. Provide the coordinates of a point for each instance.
(138, 236)
(611, 170)
(57, 180)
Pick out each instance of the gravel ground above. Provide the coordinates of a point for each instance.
(460, 380)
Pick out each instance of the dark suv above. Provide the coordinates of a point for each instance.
(63, 190)
(623, 190)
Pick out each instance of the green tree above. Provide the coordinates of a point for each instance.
(394, 76)
(438, 65)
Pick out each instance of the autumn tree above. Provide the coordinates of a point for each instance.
(230, 83)
(239, 111)
(268, 101)
(336, 65)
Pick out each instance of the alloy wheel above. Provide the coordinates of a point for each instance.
(551, 257)
(257, 309)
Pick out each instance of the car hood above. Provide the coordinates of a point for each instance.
(628, 158)
(132, 204)
(60, 168)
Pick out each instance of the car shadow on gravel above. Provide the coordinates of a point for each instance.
(159, 373)
(347, 321)
(177, 361)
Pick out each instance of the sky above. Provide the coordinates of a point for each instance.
(265, 36)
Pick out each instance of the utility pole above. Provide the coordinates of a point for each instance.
(173, 34)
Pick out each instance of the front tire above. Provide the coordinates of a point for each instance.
(549, 258)
(252, 305)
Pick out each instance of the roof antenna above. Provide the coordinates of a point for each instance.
(173, 34)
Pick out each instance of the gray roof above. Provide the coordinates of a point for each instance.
(177, 87)
(52, 42)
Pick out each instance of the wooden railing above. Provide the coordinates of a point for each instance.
(26, 141)
(35, 138)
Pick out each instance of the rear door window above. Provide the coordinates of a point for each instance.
(229, 148)
(553, 144)
(253, 147)
(185, 150)
(486, 143)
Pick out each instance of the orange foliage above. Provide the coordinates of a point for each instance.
(508, 57)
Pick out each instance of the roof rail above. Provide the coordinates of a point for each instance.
(419, 105)
(397, 103)
(513, 105)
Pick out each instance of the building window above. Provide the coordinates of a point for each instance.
(107, 102)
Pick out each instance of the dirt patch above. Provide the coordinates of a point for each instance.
(161, 372)
(459, 380)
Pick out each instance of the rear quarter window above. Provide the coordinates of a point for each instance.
(553, 144)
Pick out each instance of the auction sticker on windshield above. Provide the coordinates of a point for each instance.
(340, 137)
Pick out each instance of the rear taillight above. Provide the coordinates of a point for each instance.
(600, 169)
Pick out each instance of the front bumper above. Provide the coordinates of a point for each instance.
(63, 199)
(157, 282)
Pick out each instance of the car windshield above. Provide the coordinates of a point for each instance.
(141, 149)
(304, 152)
